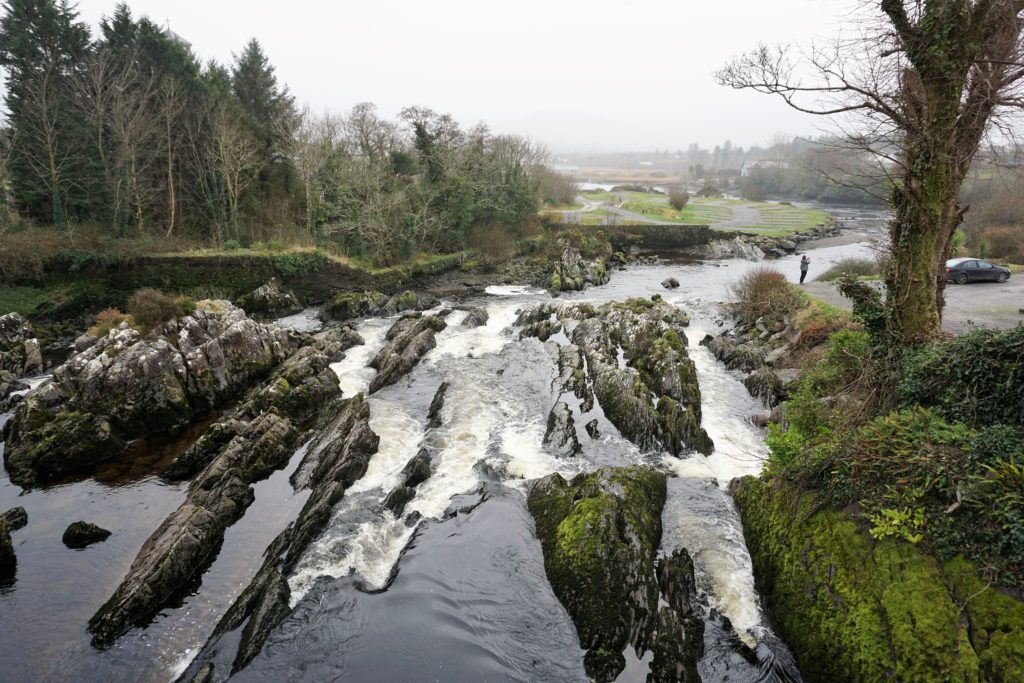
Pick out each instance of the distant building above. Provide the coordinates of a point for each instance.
(168, 33)
(750, 166)
(645, 163)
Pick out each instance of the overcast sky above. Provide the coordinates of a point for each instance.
(578, 75)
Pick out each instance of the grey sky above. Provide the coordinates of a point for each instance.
(577, 75)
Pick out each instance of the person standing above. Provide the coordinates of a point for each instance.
(805, 263)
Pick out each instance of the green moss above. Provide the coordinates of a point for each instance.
(853, 609)
(600, 533)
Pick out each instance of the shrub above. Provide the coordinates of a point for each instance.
(492, 244)
(1003, 243)
(298, 263)
(764, 291)
(106, 320)
(150, 308)
(678, 197)
(855, 267)
(754, 192)
(976, 378)
(232, 245)
(710, 189)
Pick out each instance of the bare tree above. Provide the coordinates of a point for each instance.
(43, 143)
(238, 160)
(171, 102)
(315, 140)
(920, 88)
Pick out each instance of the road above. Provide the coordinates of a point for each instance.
(979, 304)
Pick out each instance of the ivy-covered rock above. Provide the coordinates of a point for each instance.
(600, 533)
(855, 609)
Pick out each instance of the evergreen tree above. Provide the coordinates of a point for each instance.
(42, 45)
(269, 109)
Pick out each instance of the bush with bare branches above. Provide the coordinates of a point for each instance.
(764, 291)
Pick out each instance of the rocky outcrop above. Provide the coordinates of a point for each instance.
(256, 439)
(561, 430)
(270, 301)
(349, 305)
(572, 376)
(415, 472)
(475, 317)
(82, 534)
(638, 368)
(8, 385)
(127, 386)
(436, 406)
(409, 339)
(20, 353)
(334, 461)
(572, 272)
(853, 608)
(600, 534)
(335, 341)
(764, 384)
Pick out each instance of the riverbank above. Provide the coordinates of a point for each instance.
(866, 580)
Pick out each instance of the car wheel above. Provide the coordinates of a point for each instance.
(961, 279)
(1003, 277)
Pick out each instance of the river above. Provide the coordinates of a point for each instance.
(466, 598)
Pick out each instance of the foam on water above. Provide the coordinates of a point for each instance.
(353, 374)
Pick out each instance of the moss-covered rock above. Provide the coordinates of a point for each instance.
(855, 609)
(600, 533)
(349, 305)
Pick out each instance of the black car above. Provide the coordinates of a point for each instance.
(964, 270)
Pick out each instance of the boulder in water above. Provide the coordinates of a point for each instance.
(475, 317)
(409, 339)
(270, 301)
(561, 430)
(16, 518)
(82, 534)
(349, 305)
(670, 283)
(600, 534)
(592, 429)
(436, 406)
(256, 439)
